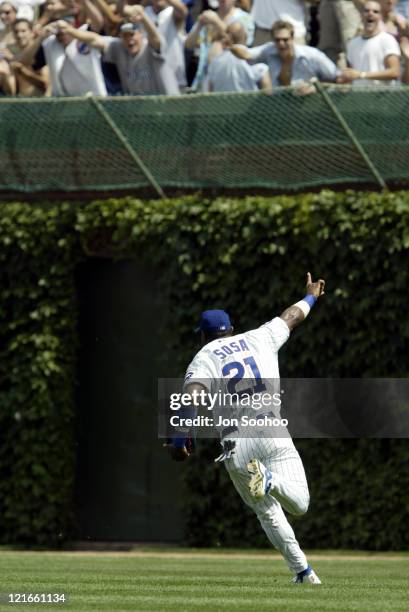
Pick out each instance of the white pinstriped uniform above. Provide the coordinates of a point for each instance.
(279, 455)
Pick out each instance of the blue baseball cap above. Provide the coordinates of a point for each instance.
(213, 321)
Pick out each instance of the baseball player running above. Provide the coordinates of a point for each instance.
(267, 472)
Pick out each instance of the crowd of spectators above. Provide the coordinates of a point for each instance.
(148, 47)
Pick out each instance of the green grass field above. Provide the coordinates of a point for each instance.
(185, 580)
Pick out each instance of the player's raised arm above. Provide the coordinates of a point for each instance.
(296, 313)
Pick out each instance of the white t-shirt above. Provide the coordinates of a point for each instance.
(33, 3)
(26, 8)
(369, 54)
(74, 70)
(266, 12)
(175, 41)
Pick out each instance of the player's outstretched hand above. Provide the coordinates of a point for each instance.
(316, 289)
(177, 454)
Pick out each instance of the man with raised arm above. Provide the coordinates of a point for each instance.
(74, 69)
(229, 73)
(169, 16)
(373, 56)
(139, 55)
(289, 63)
(277, 478)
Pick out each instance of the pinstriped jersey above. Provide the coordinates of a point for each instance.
(251, 355)
(241, 371)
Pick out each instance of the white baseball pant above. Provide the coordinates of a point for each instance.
(289, 491)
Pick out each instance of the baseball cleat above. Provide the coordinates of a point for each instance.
(260, 481)
(308, 576)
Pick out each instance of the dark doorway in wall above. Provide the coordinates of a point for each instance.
(127, 487)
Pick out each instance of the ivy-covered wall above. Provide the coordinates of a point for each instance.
(249, 256)
(37, 372)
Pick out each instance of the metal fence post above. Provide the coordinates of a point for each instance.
(361, 151)
(125, 143)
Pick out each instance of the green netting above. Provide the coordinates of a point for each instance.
(282, 142)
(380, 120)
